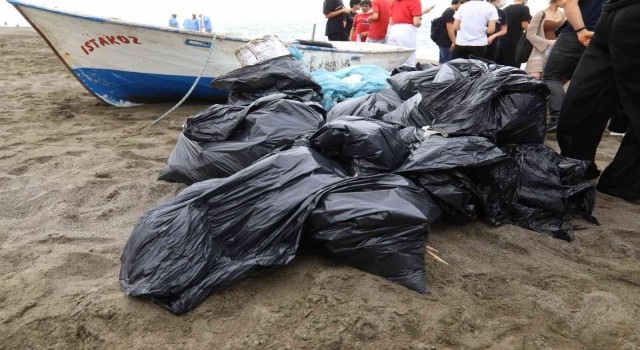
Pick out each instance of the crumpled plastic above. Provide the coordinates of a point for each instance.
(364, 146)
(217, 232)
(336, 87)
(259, 127)
(378, 228)
(409, 113)
(409, 83)
(372, 106)
(471, 97)
(526, 185)
(277, 75)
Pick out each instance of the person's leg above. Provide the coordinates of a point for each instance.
(622, 177)
(590, 101)
(563, 59)
(445, 54)
(508, 54)
(618, 122)
(491, 54)
(459, 52)
(477, 51)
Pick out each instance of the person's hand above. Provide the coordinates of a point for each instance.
(453, 46)
(490, 39)
(551, 43)
(584, 37)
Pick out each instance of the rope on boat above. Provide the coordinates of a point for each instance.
(195, 83)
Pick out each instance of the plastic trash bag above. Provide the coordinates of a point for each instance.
(418, 67)
(474, 100)
(219, 231)
(264, 124)
(439, 153)
(336, 86)
(216, 123)
(281, 74)
(409, 114)
(408, 83)
(364, 146)
(372, 106)
(216, 232)
(380, 228)
(526, 185)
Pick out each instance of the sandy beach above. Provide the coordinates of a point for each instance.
(75, 177)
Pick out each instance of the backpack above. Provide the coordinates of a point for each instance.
(437, 26)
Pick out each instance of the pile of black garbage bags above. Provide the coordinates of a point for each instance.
(272, 172)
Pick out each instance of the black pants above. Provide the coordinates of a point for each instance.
(340, 36)
(562, 62)
(507, 56)
(618, 122)
(492, 53)
(467, 51)
(608, 76)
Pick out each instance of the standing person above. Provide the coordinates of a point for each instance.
(187, 24)
(173, 21)
(541, 34)
(493, 40)
(354, 6)
(379, 21)
(406, 16)
(607, 76)
(565, 54)
(447, 39)
(334, 11)
(206, 23)
(519, 17)
(473, 21)
(195, 23)
(361, 25)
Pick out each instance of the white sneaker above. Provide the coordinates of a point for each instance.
(621, 134)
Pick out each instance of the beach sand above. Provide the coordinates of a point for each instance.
(75, 178)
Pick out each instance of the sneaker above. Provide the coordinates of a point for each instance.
(620, 134)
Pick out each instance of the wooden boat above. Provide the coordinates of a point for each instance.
(124, 63)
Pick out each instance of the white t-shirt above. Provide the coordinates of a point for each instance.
(474, 16)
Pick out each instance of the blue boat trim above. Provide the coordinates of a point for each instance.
(199, 43)
(122, 88)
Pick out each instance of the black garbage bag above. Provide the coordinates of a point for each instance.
(263, 125)
(379, 228)
(526, 185)
(409, 83)
(437, 164)
(364, 146)
(475, 99)
(217, 231)
(418, 67)
(551, 190)
(409, 114)
(372, 106)
(521, 118)
(281, 74)
(440, 153)
(454, 193)
(216, 123)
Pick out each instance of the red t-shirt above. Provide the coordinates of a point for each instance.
(361, 25)
(403, 11)
(378, 28)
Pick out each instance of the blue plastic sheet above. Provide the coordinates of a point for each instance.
(335, 89)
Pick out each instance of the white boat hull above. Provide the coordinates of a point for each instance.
(125, 63)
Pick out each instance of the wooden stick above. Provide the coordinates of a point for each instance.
(437, 258)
